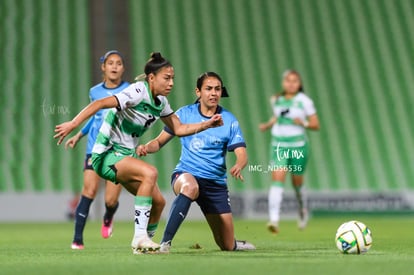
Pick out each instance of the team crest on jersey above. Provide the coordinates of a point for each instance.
(196, 144)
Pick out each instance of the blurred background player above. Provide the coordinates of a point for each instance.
(134, 110)
(293, 113)
(200, 174)
(112, 66)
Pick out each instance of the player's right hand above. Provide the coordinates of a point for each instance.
(62, 130)
(262, 127)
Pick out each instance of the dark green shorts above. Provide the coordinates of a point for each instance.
(104, 164)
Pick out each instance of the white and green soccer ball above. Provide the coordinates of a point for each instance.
(353, 237)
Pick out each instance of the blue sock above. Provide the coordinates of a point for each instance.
(178, 212)
(82, 212)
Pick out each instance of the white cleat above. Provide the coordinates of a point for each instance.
(165, 247)
(244, 245)
(143, 244)
(303, 218)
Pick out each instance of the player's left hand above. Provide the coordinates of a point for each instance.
(62, 130)
(235, 171)
(298, 121)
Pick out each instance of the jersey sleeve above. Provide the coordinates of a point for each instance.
(236, 139)
(85, 129)
(309, 107)
(130, 96)
(167, 111)
(179, 114)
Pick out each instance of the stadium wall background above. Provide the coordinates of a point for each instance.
(355, 58)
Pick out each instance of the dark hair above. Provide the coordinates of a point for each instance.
(103, 58)
(202, 77)
(156, 63)
(291, 71)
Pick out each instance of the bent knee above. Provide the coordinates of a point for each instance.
(89, 191)
(150, 173)
(190, 189)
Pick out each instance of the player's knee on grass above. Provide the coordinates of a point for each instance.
(226, 245)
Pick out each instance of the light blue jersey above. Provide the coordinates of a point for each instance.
(204, 154)
(94, 123)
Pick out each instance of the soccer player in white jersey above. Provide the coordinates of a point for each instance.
(293, 113)
(112, 66)
(134, 110)
(200, 174)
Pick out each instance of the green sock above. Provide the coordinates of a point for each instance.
(151, 229)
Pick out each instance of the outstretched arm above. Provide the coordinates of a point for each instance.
(154, 145)
(181, 130)
(62, 130)
(241, 162)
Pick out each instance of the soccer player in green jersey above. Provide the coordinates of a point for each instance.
(293, 113)
(134, 110)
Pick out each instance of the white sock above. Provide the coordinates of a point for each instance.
(275, 201)
(142, 214)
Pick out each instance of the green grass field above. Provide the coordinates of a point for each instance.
(44, 249)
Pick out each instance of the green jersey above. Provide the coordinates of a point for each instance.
(136, 112)
(285, 132)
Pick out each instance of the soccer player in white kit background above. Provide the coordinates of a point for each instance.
(293, 114)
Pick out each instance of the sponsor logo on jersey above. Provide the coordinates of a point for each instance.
(196, 144)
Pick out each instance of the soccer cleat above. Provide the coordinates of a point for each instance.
(244, 245)
(273, 227)
(77, 246)
(106, 229)
(165, 247)
(143, 244)
(303, 218)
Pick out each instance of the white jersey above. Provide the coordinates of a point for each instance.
(136, 112)
(285, 131)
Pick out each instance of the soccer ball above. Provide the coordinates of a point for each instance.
(353, 237)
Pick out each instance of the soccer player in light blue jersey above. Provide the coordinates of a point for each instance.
(112, 66)
(200, 174)
(132, 112)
